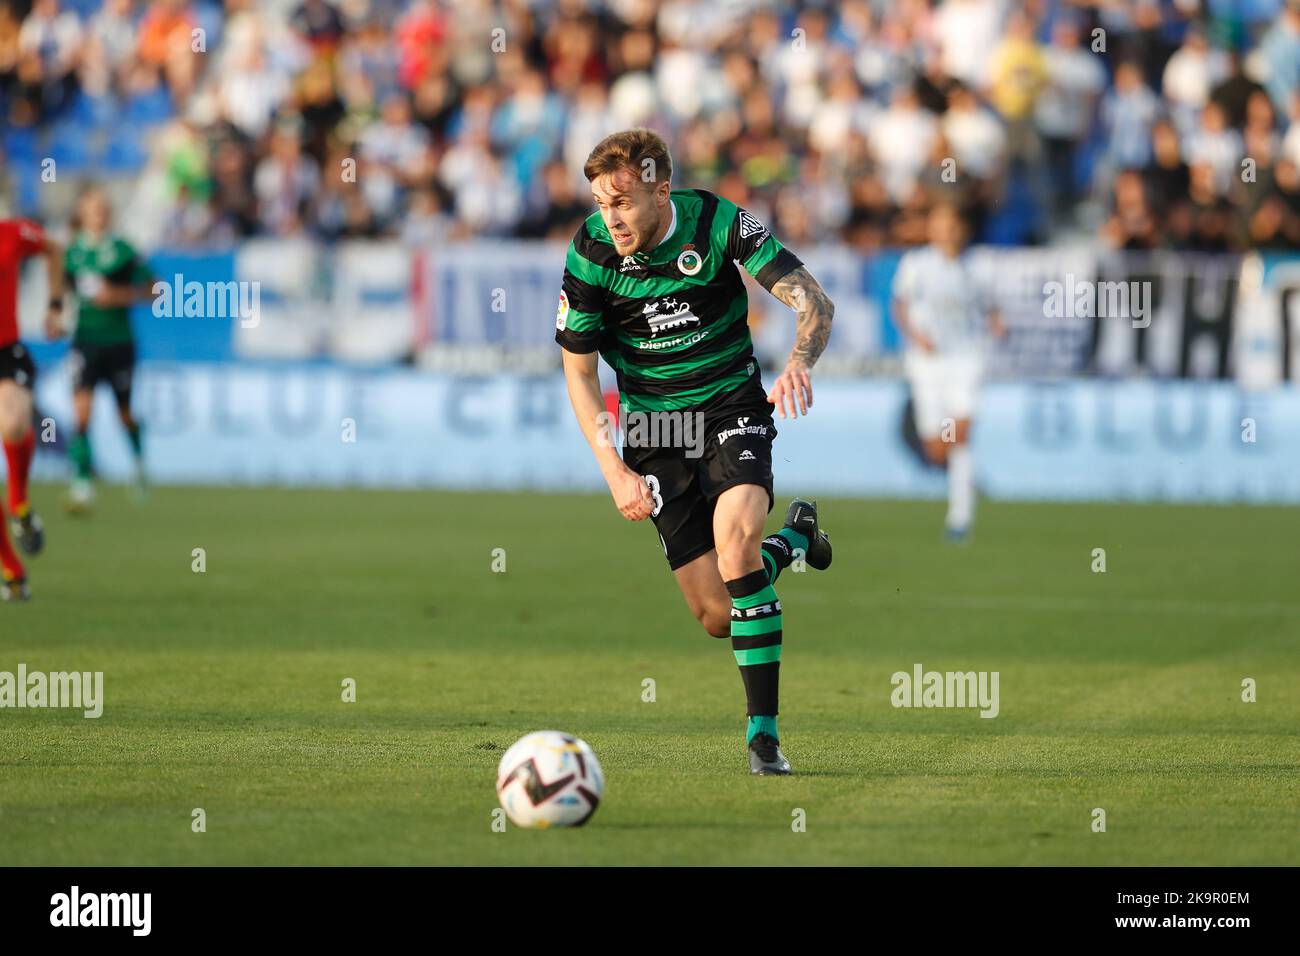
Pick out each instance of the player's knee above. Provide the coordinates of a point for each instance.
(739, 559)
(738, 549)
(14, 423)
(716, 620)
(936, 451)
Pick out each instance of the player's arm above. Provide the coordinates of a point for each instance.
(631, 494)
(906, 280)
(781, 273)
(52, 252)
(813, 310)
(996, 325)
(899, 310)
(135, 285)
(579, 322)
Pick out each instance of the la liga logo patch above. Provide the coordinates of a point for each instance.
(562, 313)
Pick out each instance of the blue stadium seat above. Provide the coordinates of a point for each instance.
(26, 176)
(149, 108)
(83, 8)
(19, 143)
(1012, 223)
(127, 151)
(69, 147)
(97, 112)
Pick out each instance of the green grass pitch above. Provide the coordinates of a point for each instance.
(223, 689)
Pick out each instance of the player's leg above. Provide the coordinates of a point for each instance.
(13, 399)
(756, 623)
(706, 596)
(122, 378)
(683, 518)
(925, 379)
(84, 376)
(800, 535)
(961, 387)
(19, 440)
(961, 484)
(687, 523)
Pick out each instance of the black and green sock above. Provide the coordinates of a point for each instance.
(133, 435)
(778, 551)
(756, 641)
(79, 453)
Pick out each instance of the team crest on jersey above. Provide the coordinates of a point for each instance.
(690, 262)
(674, 315)
(750, 226)
(562, 313)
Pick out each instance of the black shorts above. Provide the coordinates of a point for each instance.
(733, 447)
(114, 364)
(16, 363)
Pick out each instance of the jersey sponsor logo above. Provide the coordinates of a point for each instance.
(674, 315)
(691, 339)
(742, 428)
(562, 313)
(690, 262)
(750, 226)
(747, 455)
(629, 264)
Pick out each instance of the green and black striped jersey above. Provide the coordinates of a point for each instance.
(673, 322)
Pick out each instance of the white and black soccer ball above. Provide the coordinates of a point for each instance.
(549, 779)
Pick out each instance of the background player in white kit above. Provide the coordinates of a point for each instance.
(945, 312)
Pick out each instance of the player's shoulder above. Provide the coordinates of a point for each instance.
(916, 257)
(124, 248)
(591, 256)
(591, 241)
(695, 205)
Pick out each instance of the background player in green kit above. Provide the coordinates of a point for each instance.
(651, 283)
(108, 276)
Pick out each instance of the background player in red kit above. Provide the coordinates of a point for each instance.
(20, 239)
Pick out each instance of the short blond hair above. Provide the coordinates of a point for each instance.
(635, 150)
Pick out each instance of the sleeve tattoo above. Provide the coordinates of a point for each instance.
(813, 310)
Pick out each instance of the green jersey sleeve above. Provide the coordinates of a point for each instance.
(752, 244)
(579, 320)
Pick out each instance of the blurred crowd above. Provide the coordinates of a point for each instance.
(1152, 123)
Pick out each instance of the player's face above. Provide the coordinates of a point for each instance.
(632, 210)
(94, 213)
(946, 229)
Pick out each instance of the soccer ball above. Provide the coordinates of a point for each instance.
(549, 779)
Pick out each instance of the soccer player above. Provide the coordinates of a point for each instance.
(650, 282)
(108, 276)
(945, 314)
(19, 240)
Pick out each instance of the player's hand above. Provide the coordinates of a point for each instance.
(792, 391)
(631, 495)
(997, 326)
(922, 342)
